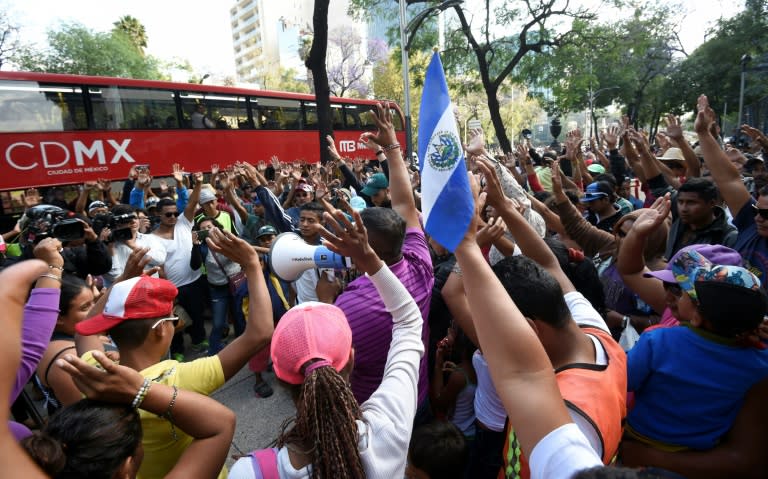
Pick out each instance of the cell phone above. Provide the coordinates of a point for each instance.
(202, 235)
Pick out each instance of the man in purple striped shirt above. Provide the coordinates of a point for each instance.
(397, 237)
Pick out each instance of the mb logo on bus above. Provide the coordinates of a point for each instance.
(24, 156)
(347, 145)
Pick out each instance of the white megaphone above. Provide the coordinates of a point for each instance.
(289, 256)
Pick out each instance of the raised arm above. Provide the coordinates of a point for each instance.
(15, 462)
(631, 262)
(532, 245)
(724, 173)
(212, 432)
(519, 366)
(189, 211)
(675, 134)
(399, 180)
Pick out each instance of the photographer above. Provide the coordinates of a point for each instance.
(83, 252)
(123, 237)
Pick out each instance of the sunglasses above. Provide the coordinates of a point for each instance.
(673, 288)
(170, 214)
(763, 212)
(172, 319)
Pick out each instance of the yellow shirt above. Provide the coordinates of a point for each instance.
(161, 451)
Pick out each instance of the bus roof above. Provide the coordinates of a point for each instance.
(195, 87)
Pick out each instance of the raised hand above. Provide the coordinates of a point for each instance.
(476, 144)
(31, 197)
(557, 181)
(348, 239)
(490, 232)
(110, 382)
(232, 247)
(674, 129)
(215, 169)
(178, 173)
(90, 185)
(494, 193)
(385, 136)
(651, 218)
(137, 261)
(275, 161)
(49, 250)
(755, 134)
(663, 141)
(705, 117)
(611, 136)
(163, 185)
(332, 148)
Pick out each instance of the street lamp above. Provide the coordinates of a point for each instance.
(744, 60)
(203, 79)
(407, 32)
(592, 97)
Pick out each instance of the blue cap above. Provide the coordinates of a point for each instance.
(595, 191)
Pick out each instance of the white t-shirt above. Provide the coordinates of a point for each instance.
(562, 453)
(179, 252)
(121, 252)
(306, 286)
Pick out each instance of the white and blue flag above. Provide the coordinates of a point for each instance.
(446, 198)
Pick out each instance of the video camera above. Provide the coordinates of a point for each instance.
(114, 223)
(46, 221)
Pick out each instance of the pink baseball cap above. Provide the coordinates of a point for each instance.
(309, 331)
(142, 297)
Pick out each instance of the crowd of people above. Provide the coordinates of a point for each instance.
(602, 317)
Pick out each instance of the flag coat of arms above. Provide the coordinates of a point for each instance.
(446, 198)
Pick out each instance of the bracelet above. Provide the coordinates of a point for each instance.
(53, 266)
(51, 276)
(391, 147)
(380, 152)
(168, 414)
(143, 390)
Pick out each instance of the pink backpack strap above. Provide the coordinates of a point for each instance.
(264, 463)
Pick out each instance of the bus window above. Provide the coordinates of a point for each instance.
(212, 110)
(358, 117)
(397, 122)
(310, 116)
(118, 108)
(311, 121)
(277, 114)
(32, 106)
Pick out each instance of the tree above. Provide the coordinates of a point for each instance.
(347, 66)
(714, 67)
(282, 79)
(134, 30)
(77, 50)
(9, 38)
(316, 64)
(537, 25)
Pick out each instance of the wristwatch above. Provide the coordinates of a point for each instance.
(624, 322)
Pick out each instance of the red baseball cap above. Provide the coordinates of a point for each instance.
(142, 297)
(310, 331)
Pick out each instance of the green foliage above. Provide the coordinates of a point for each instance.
(284, 79)
(133, 29)
(77, 50)
(714, 68)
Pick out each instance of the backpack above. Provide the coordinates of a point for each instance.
(264, 462)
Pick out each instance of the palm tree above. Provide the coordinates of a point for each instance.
(134, 30)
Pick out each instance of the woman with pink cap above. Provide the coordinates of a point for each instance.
(312, 355)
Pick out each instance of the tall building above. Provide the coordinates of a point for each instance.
(267, 34)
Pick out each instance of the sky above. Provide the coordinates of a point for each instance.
(199, 30)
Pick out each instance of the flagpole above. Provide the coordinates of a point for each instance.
(406, 81)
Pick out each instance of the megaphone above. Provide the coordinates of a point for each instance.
(290, 256)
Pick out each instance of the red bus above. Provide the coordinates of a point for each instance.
(67, 129)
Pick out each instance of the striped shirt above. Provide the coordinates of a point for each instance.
(371, 324)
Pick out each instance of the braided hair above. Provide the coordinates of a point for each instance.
(326, 412)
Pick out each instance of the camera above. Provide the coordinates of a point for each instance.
(45, 221)
(114, 223)
(202, 235)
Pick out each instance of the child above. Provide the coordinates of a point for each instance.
(437, 451)
(706, 365)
